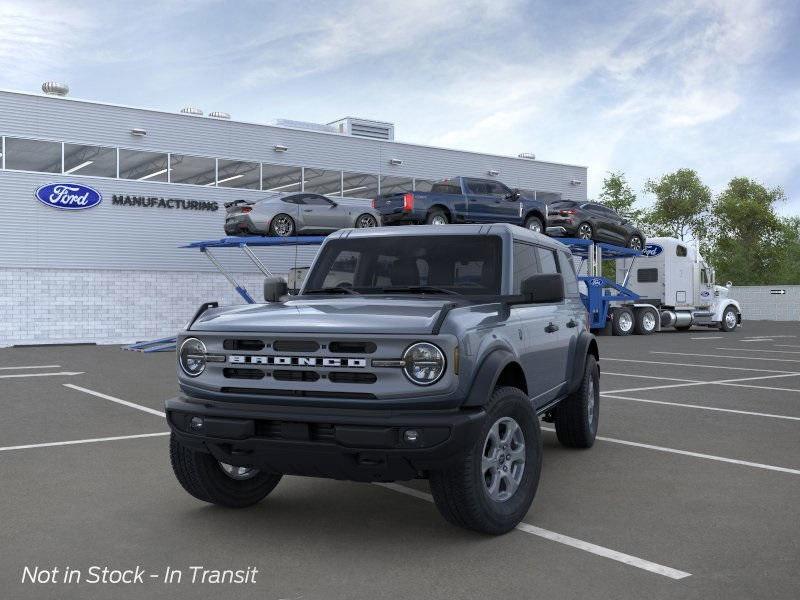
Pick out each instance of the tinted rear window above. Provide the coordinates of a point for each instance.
(446, 187)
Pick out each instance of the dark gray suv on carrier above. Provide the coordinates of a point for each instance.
(412, 352)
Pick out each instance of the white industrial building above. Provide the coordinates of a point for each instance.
(115, 272)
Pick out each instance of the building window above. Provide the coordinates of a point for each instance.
(359, 185)
(320, 181)
(143, 166)
(196, 170)
(396, 185)
(279, 178)
(238, 174)
(98, 161)
(423, 185)
(33, 155)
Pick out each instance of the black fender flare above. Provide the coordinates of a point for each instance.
(585, 346)
(486, 378)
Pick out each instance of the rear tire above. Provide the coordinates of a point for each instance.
(282, 225)
(470, 493)
(203, 477)
(645, 323)
(585, 232)
(437, 217)
(622, 321)
(635, 242)
(576, 417)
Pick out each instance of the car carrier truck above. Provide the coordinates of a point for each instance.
(671, 277)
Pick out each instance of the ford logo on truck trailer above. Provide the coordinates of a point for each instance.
(68, 196)
(652, 250)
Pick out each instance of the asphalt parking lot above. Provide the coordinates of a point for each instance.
(692, 490)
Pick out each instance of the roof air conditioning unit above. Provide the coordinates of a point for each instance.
(53, 88)
(527, 155)
(192, 110)
(375, 130)
(219, 115)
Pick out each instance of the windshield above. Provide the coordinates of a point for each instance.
(461, 264)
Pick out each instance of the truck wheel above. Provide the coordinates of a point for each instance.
(282, 225)
(576, 417)
(491, 488)
(437, 217)
(585, 231)
(534, 224)
(209, 480)
(622, 321)
(729, 320)
(645, 321)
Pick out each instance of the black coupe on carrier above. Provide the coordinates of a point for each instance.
(592, 221)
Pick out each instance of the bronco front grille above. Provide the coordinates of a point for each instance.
(296, 393)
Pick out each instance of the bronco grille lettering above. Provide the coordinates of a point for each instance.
(298, 361)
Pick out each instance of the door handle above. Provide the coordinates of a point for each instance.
(571, 323)
(551, 328)
(307, 210)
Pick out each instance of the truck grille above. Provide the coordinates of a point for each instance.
(296, 393)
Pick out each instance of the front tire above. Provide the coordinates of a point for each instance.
(492, 487)
(534, 224)
(366, 221)
(635, 242)
(729, 320)
(576, 417)
(282, 225)
(585, 232)
(209, 480)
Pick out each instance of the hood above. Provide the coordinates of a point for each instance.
(721, 291)
(359, 315)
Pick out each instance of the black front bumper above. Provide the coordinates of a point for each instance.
(353, 444)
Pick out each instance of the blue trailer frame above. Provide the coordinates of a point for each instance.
(600, 295)
(244, 244)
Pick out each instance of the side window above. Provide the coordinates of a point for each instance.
(570, 278)
(293, 199)
(477, 187)
(547, 260)
(680, 250)
(315, 200)
(647, 275)
(703, 276)
(497, 189)
(525, 264)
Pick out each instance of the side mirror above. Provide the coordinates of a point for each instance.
(514, 195)
(334, 204)
(274, 289)
(545, 288)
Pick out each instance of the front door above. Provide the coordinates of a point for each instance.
(319, 213)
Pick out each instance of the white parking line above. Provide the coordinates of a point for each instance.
(650, 377)
(759, 350)
(674, 364)
(733, 461)
(756, 340)
(627, 559)
(146, 409)
(86, 441)
(31, 367)
(713, 382)
(699, 406)
(787, 346)
(727, 356)
(20, 375)
(708, 337)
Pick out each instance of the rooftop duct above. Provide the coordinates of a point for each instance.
(53, 88)
(191, 110)
(219, 115)
(376, 130)
(527, 155)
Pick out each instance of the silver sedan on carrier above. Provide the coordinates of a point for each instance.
(284, 215)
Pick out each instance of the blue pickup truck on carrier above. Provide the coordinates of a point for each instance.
(464, 200)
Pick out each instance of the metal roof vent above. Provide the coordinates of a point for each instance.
(219, 115)
(376, 130)
(303, 125)
(527, 155)
(53, 88)
(191, 110)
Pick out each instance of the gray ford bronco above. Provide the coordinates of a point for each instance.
(415, 352)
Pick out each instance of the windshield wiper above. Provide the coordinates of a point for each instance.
(332, 290)
(416, 289)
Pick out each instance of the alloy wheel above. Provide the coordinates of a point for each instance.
(366, 221)
(282, 226)
(238, 473)
(439, 220)
(585, 231)
(635, 243)
(503, 459)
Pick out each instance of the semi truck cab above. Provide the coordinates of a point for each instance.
(672, 276)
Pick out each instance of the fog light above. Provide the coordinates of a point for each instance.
(411, 436)
(196, 423)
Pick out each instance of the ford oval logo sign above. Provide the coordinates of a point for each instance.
(68, 196)
(652, 250)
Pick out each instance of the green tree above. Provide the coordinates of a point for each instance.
(751, 244)
(618, 195)
(681, 205)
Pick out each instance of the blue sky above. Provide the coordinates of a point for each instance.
(641, 87)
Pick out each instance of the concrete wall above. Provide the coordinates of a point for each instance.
(759, 304)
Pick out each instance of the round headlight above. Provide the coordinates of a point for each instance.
(424, 363)
(192, 357)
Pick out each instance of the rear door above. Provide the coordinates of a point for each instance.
(480, 201)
